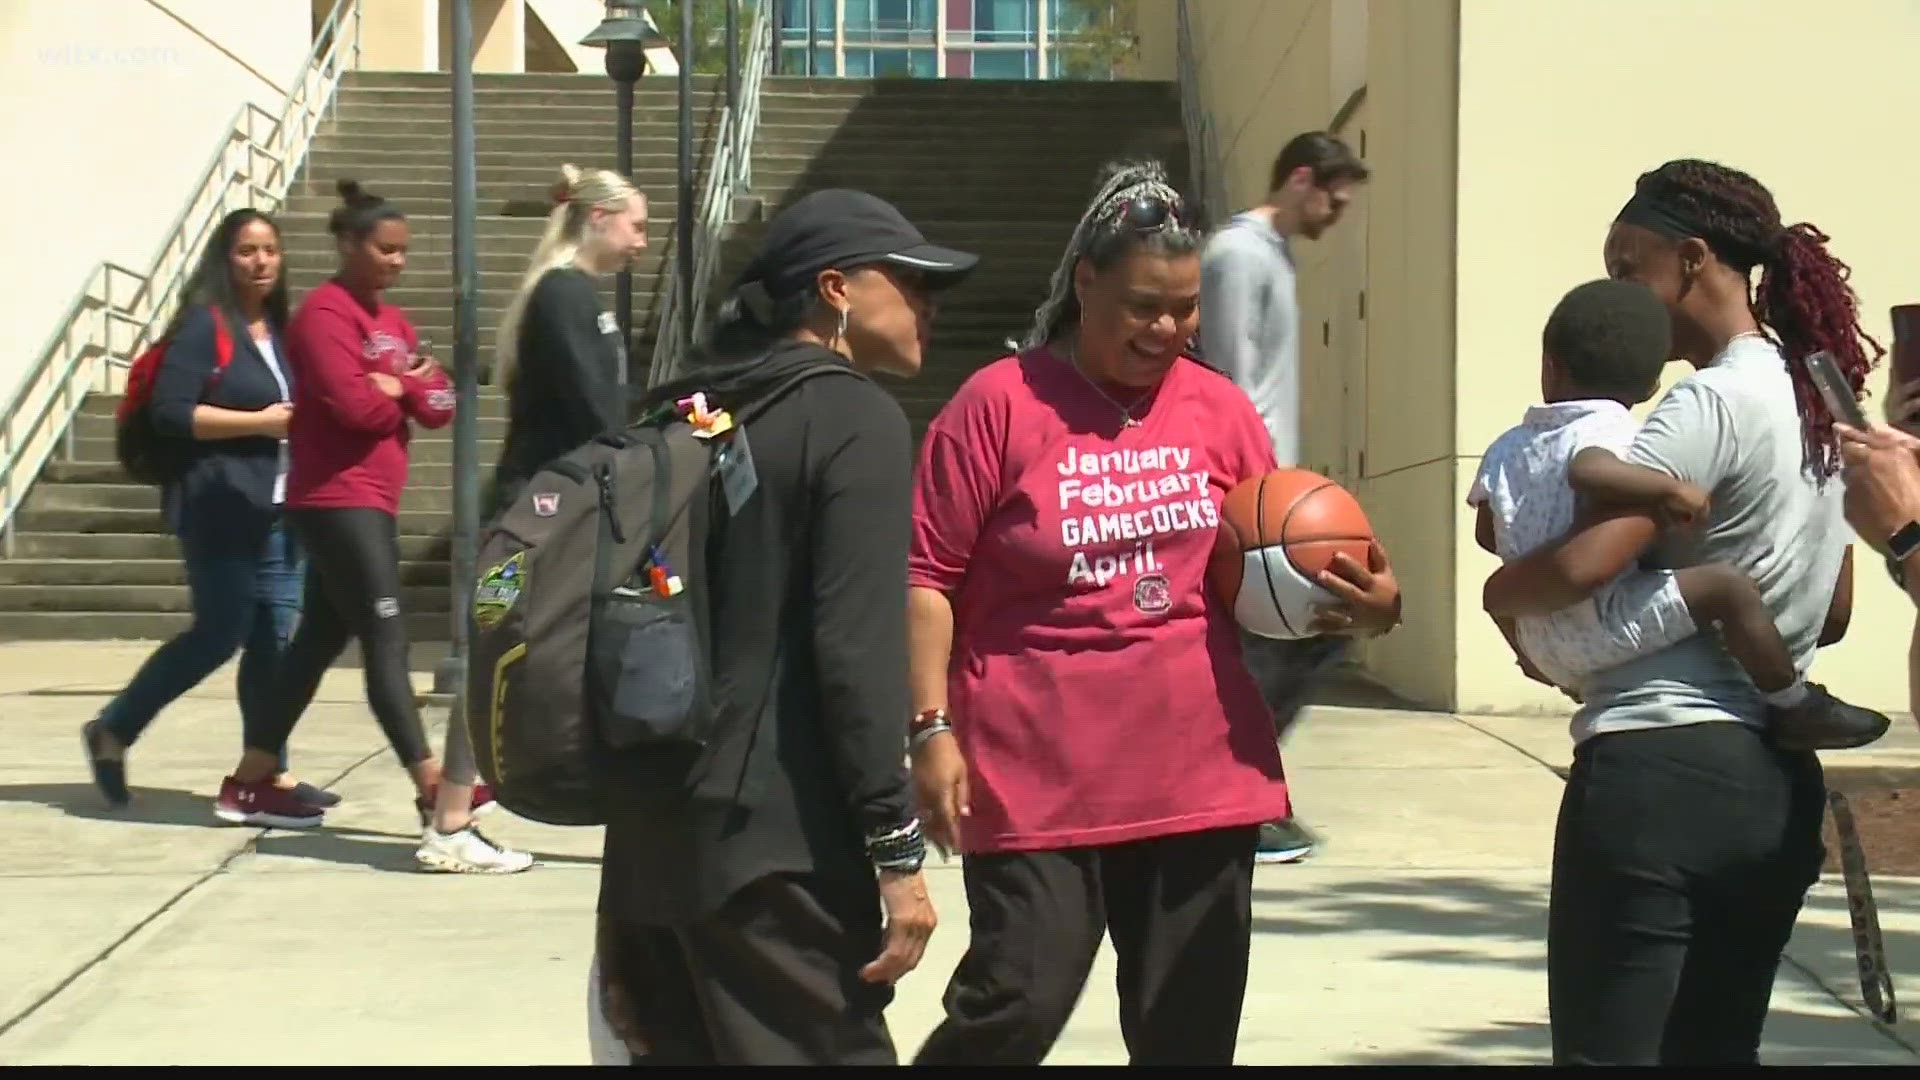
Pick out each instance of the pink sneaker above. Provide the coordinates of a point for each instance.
(264, 806)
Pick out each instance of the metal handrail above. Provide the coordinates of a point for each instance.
(84, 349)
(729, 174)
(1207, 176)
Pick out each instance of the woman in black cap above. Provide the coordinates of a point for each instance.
(744, 925)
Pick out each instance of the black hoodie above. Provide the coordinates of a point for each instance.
(809, 579)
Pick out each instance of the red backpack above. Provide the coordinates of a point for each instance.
(147, 455)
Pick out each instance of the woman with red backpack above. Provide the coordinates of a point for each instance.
(217, 411)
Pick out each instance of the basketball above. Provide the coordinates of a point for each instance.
(1277, 533)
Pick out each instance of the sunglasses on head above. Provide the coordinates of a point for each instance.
(1148, 214)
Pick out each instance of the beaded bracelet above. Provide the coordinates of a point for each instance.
(903, 849)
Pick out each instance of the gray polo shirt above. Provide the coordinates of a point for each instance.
(1733, 429)
(1250, 323)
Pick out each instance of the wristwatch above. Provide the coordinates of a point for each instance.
(1901, 546)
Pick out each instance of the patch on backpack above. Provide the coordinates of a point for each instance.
(546, 503)
(499, 590)
(1152, 595)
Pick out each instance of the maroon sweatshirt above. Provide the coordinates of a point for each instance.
(347, 442)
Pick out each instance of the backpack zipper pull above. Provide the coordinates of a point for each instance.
(603, 477)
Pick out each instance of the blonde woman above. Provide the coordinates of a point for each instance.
(558, 351)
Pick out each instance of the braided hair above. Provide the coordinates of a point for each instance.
(1804, 301)
(1104, 237)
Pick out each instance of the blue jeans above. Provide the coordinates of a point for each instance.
(241, 601)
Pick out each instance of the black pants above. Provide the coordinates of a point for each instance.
(772, 978)
(1679, 866)
(352, 591)
(1180, 909)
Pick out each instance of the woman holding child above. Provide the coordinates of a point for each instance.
(1688, 834)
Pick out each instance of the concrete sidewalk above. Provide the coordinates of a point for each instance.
(1414, 936)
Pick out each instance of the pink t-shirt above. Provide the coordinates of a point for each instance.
(1097, 687)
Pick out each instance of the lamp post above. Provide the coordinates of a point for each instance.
(683, 213)
(451, 676)
(626, 34)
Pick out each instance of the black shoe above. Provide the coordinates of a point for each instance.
(317, 797)
(1283, 842)
(1823, 722)
(109, 775)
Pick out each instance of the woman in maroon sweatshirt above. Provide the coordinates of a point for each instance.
(359, 383)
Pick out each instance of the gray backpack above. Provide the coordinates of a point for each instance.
(588, 681)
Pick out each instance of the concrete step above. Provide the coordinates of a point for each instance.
(777, 119)
(68, 572)
(120, 522)
(655, 90)
(1012, 203)
(429, 456)
(153, 545)
(989, 235)
(418, 497)
(492, 402)
(89, 426)
(121, 597)
(156, 626)
(1013, 282)
(833, 166)
(855, 135)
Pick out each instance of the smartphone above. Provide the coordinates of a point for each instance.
(1835, 391)
(1906, 343)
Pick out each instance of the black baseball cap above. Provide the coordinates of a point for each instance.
(839, 229)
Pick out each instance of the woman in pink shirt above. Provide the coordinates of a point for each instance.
(1085, 730)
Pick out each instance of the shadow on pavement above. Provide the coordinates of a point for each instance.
(1464, 921)
(386, 851)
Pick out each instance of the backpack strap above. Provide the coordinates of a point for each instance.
(222, 343)
(761, 402)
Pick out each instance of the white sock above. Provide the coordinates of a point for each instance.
(1791, 696)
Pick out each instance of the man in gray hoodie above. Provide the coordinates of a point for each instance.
(1250, 329)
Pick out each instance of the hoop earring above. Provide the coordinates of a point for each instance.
(840, 332)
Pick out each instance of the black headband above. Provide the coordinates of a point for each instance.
(1664, 219)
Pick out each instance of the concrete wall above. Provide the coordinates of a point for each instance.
(1377, 292)
(1553, 130)
(113, 110)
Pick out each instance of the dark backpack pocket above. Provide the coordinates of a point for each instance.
(644, 656)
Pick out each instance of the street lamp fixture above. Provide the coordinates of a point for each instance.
(626, 34)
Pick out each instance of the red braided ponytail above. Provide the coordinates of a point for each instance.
(1805, 300)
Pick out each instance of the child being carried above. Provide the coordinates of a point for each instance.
(1605, 345)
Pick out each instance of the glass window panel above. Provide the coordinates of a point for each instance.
(1004, 20)
(793, 19)
(1003, 64)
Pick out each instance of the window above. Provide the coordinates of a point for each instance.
(793, 20)
(1004, 20)
(1003, 64)
(904, 63)
(793, 60)
(900, 21)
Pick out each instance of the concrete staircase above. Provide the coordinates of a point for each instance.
(1002, 169)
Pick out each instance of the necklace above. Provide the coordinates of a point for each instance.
(1071, 355)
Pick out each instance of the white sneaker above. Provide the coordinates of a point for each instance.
(468, 852)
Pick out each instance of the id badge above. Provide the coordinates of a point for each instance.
(738, 479)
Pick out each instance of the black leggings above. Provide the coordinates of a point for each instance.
(1679, 866)
(352, 590)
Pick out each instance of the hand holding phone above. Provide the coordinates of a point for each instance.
(1834, 390)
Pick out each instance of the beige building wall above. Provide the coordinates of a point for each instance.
(114, 108)
(1376, 293)
(1555, 124)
